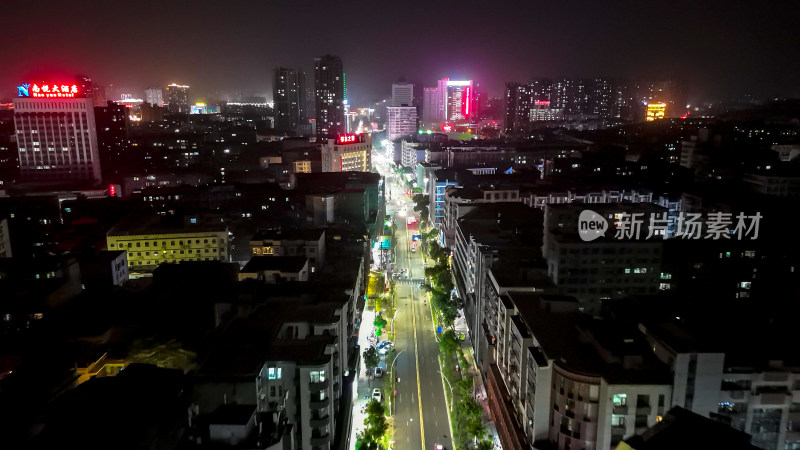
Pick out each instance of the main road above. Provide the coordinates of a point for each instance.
(421, 415)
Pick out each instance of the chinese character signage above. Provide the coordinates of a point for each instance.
(43, 90)
(715, 226)
(348, 139)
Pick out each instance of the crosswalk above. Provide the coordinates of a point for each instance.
(411, 281)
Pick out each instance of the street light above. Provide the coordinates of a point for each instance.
(391, 369)
(451, 390)
(393, 315)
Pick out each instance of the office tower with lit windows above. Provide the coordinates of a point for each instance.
(56, 133)
(289, 95)
(178, 99)
(329, 94)
(154, 95)
(347, 153)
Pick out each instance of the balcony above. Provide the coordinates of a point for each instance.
(319, 422)
(318, 404)
(319, 385)
(320, 441)
(570, 413)
(617, 429)
(565, 431)
(620, 409)
(643, 409)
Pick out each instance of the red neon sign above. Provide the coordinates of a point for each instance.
(348, 138)
(466, 104)
(112, 190)
(542, 102)
(447, 127)
(48, 90)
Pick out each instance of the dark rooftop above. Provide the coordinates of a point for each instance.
(232, 414)
(311, 234)
(588, 345)
(136, 224)
(279, 263)
(684, 429)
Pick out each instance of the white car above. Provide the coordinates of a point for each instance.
(376, 395)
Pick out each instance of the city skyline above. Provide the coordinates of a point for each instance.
(722, 50)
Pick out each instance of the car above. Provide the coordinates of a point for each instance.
(439, 447)
(384, 351)
(378, 372)
(385, 344)
(413, 249)
(376, 395)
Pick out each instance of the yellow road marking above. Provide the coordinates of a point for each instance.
(416, 348)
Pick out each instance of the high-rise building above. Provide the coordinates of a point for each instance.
(56, 132)
(459, 104)
(178, 99)
(94, 91)
(402, 94)
(347, 153)
(329, 94)
(112, 137)
(289, 95)
(430, 104)
(518, 106)
(401, 121)
(154, 95)
(450, 100)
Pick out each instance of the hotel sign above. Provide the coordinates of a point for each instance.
(36, 90)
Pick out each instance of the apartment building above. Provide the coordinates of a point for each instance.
(750, 393)
(562, 379)
(290, 358)
(150, 241)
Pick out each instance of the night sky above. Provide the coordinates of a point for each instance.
(722, 48)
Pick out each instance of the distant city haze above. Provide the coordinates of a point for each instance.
(226, 50)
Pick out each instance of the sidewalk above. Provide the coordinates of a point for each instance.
(479, 392)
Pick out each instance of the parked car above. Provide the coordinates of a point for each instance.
(385, 344)
(376, 395)
(378, 372)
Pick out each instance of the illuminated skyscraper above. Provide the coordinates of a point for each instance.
(450, 100)
(459, 99)
(56, 133)
(401, 121)
(289, 95)
(178, 99)
(329, 95)
(154, 95)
